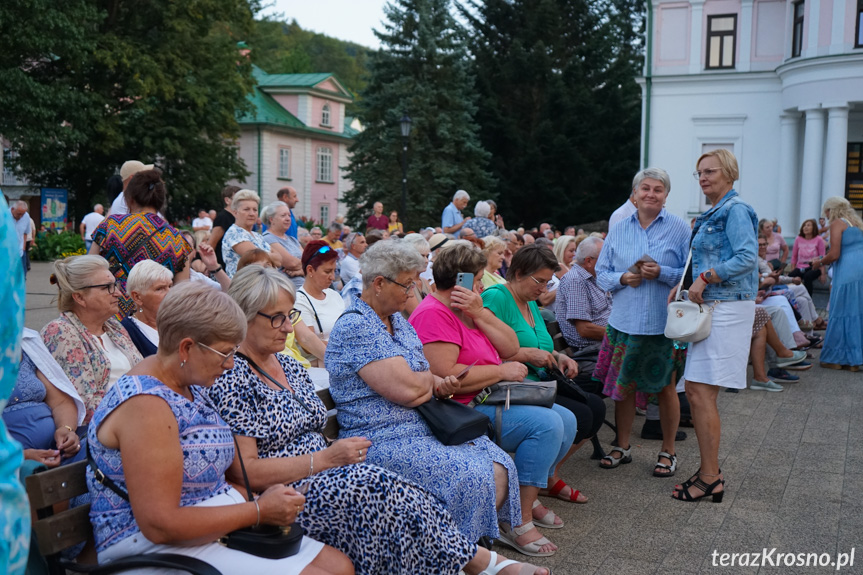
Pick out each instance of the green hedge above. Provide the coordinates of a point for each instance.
(52, 246)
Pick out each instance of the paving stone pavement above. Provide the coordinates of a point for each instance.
(793, 462)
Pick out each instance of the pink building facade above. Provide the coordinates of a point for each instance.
(298, 135)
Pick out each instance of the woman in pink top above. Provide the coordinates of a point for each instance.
(808, 245)
(777, 249)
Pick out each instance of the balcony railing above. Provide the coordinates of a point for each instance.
(10, 179)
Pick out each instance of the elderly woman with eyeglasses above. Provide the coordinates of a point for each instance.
(383, 523)
(379, 374)
(157, 438)
(88, 342)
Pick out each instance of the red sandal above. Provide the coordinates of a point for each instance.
(558, 487)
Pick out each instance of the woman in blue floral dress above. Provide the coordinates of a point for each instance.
(378, 374)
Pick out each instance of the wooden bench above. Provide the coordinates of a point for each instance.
(56, 531)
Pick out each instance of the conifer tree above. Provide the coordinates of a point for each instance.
(561, 109)
(422, 70)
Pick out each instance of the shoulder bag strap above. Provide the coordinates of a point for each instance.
(257, 368)
(104, 479)
(685, 267)
(314, 311)
(243, 467)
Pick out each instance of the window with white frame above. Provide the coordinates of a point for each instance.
(858, 38)
(284, 163)
(325, 115)
(721, 41)
(325, 215)
(325, 164)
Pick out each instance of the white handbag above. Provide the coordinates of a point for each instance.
(688, 321)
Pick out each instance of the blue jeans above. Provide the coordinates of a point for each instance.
(87, 244)
(540, 437)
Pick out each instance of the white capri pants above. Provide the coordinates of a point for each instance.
(225, 560)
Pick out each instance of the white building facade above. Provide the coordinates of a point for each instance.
(777, 82)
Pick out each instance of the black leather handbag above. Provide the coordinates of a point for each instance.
(267, 541)
(453, 423)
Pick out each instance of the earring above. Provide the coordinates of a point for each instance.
(183, 363)
(141, 310)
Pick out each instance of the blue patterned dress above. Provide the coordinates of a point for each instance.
(461, 476)
(208, 450)
(14, 511)
(843, 341)
(384, 523)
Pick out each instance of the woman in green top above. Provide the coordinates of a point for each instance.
(514, 303)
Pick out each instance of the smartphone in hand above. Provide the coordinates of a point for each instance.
(464, 280)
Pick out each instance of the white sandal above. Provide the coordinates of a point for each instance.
(671, 468)
(494, 567)
(547, 520)
(625, 457)
(532, 549)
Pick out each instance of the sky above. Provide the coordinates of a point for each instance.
(343, 19)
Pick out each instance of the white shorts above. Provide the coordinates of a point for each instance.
(722, 357)
(224, 559)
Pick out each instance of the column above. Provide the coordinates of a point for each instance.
(813, 162)
(789, 187)
(696, 38)
(835, 151)
(837, 39)
(745, 51)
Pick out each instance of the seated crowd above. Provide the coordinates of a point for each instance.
(187, 368)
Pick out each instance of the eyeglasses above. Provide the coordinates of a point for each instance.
(407, 288)
(762, 246)
(540, 282)
(278, 320)
(707, 172)
(226, 357)
(111, 287)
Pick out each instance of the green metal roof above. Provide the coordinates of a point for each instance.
(267, 111)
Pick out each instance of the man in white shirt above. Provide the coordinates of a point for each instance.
(22, 230)
(129, 169)
(355, 244)
(202, 226)
(89, 223)
(627, 209)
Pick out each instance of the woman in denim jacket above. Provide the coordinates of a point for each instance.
(724, 275)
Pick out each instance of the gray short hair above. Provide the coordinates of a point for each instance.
(73, 274)
(655, 174)
(22, 205)
(481, 209)
(418, 242)
(461, 195)
(255, 287)
(144, 274)
(244, 196)
(200, 312)
(389, 259)
(588, 248)
(335, 227)
(270, 211)
(350, 239)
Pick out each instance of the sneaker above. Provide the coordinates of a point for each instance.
(765, 385)
(782, 375)
(797, 357)
(802, 366)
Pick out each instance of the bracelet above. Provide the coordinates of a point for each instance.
(215, 271)
(258, 509)
(704, 279)
(311, 464)
(67, 427)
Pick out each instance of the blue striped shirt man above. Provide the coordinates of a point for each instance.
(641, 310)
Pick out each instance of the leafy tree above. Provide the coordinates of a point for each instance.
(560, 108)
(285, 48)
(88, 84)
(423, 71)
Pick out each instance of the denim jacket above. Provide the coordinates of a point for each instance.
(725, 238)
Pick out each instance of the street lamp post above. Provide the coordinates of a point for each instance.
(406, 131)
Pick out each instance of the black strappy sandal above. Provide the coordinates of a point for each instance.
(683, 494)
